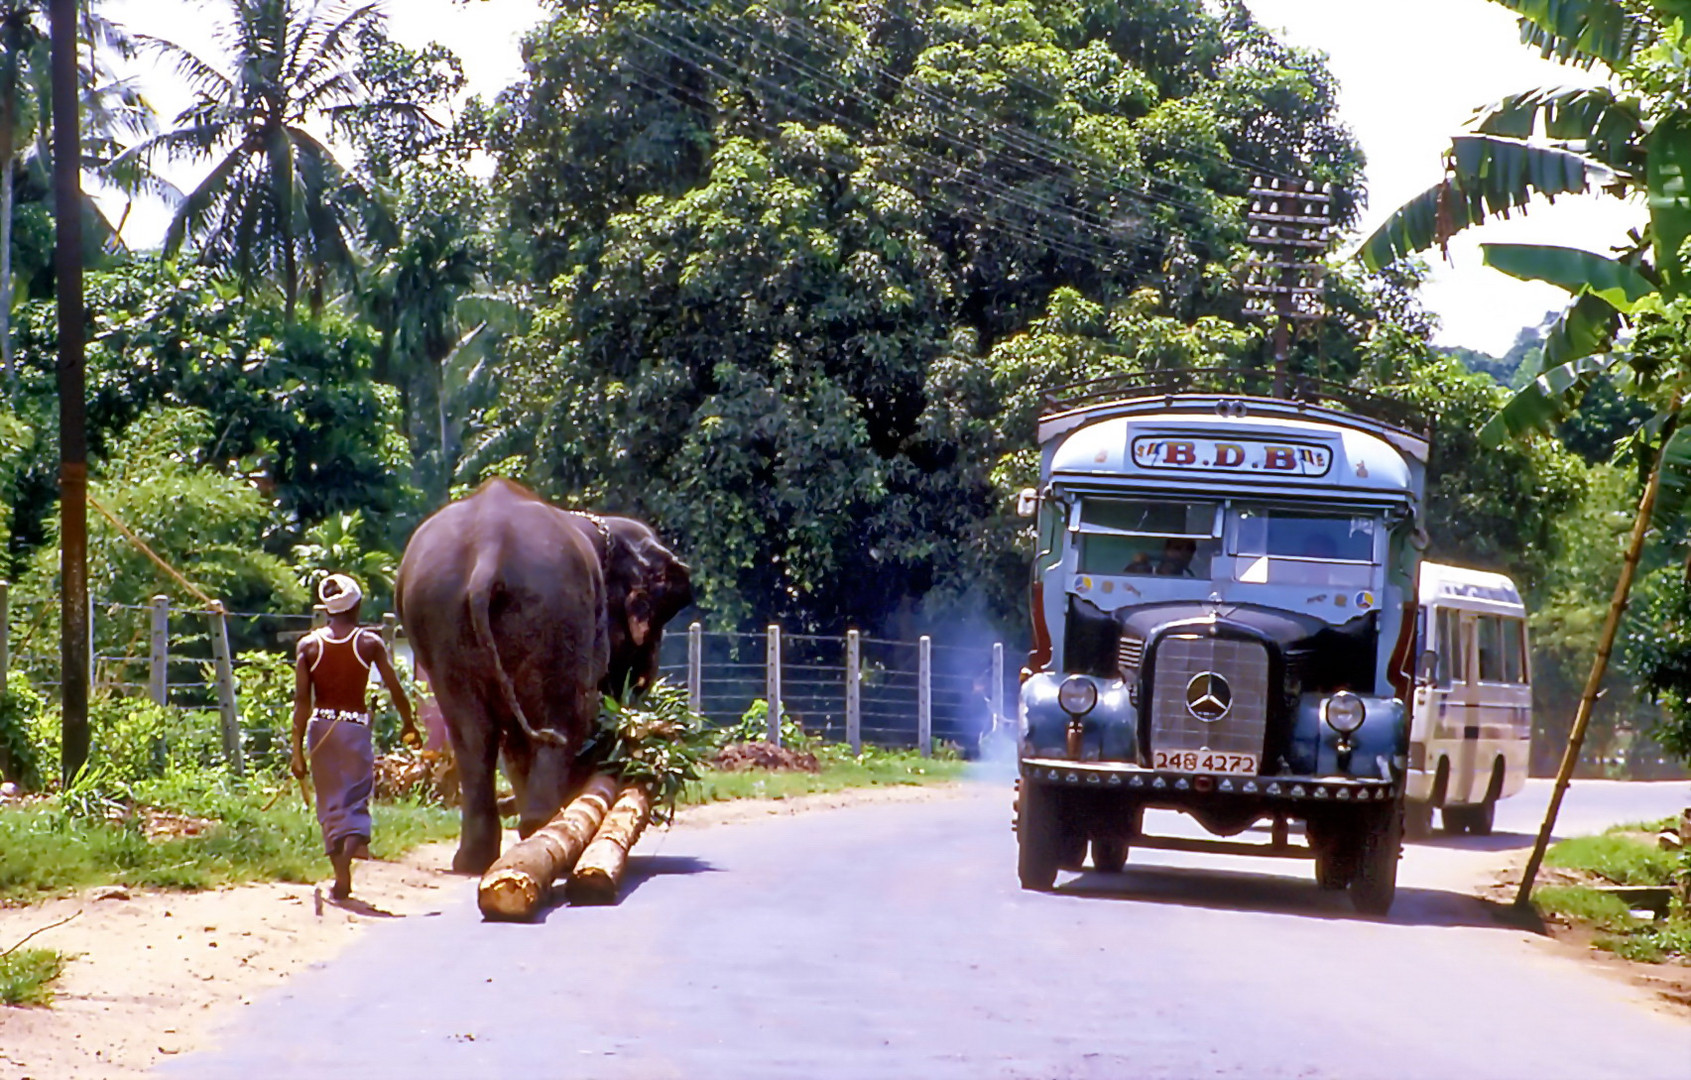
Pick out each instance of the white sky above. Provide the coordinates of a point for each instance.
(1409, 75)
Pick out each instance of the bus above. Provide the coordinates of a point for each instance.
(1224, 610)
(1471, 719)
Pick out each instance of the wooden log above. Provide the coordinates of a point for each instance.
(598, 873)
(519, 883)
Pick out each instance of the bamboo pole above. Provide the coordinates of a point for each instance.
(519, 883)
(598, 873)
(1599, 668)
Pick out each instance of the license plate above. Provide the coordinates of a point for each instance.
(1205, 761)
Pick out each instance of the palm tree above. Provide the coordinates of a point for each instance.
(1631, 138)
(275, 202)
(111, 108)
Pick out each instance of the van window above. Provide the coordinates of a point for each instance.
(1452, 662)
(1489, 629)
(1514, 651)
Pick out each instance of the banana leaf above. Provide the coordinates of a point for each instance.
(1610, 128)
(1544, 401)
(1674, 492)
(1489, 177)
(1580, 32)
(1669, 177)
(1577, 271)
(1588, 326)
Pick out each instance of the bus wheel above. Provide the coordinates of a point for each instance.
(1038, 834)
(1335, 854)
(1375, 884)
(1417, 820)
(1108, 856)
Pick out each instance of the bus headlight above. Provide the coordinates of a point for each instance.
(1344, 712)
(1077, 695)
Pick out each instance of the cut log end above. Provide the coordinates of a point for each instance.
(597, 877)
(511, 894)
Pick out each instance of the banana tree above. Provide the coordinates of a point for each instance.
(1628, 312)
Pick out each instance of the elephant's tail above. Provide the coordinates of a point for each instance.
(482, 585)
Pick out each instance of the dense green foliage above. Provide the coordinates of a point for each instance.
(788, 281)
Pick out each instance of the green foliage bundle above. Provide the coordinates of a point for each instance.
(753, 726)
(657, 742)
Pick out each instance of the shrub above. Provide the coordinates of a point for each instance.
(22, 758)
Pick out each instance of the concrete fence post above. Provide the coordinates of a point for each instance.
(854, 691)
(158, 652)
(997, 685)
(696, 667)
(390, 630)
(772, 683)
(319, 616)
(225, 667)
(925, 696)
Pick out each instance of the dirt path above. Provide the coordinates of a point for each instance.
(154, 973)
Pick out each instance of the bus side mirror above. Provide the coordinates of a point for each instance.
(1427, 668)
(1027, 502)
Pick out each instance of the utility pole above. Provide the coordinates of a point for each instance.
(74, 658)
(1290, 223)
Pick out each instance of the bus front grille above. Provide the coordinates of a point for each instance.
(1234, 719)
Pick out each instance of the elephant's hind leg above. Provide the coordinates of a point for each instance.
(476, 745)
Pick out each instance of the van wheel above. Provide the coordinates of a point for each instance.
(1108, 856)
(1476, 818)
(1038, 835)
(1375, 884)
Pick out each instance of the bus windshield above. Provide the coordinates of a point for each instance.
(1301, 547)
(1168, 537)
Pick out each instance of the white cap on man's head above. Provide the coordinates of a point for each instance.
(339, 593)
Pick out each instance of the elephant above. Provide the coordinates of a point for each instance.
(645, 587)
(503, 598)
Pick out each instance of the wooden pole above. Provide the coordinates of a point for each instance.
(854, 691)
(225, 668)
(597, 876)
(772, 683)
(925, 696)
(519, 883)
(74, 659)
(1599, 668)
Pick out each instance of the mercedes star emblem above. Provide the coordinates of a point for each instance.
(1208, 697)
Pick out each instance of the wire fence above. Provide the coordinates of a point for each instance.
(847, 688)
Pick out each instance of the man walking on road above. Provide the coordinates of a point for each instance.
(332, 723)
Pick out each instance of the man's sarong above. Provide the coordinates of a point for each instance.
(342, 764)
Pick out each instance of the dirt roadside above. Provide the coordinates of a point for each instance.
(154, 974)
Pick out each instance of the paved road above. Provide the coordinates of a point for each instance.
(890, 941)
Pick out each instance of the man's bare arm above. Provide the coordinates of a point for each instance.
(390, 678)
(302, 703)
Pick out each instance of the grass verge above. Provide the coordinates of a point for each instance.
(840, 770)
(1620, 857)
(27, 976)
(56, 846)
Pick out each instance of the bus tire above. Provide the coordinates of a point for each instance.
(1380, 842)
(1335, 851)
(1038, 836)
(1455, 820)
(1108, 856)
(1483, 817)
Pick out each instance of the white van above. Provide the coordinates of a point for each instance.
(1471, 721)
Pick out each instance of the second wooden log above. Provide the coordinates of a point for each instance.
(519, 883)
(598, 873)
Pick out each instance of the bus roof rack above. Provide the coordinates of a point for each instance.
(1248, 383)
